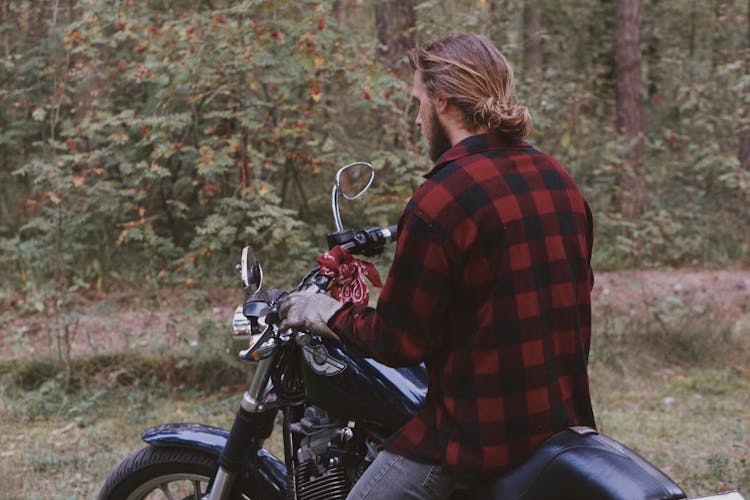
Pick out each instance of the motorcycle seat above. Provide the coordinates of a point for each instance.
(580, 463)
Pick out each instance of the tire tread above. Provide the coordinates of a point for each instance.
(117, 486)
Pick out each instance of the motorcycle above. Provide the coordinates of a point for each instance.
(337, 408)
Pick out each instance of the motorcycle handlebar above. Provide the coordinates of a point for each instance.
(369, 241)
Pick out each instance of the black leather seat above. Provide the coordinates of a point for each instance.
(580, 463)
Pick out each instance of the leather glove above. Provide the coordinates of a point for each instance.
(309, 311)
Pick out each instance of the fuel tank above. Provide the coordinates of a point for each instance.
(361, 388)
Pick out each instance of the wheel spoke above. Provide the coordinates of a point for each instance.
(164, 487)
(197, 490)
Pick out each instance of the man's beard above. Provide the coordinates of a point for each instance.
(438, 140)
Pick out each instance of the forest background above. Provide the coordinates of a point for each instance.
(143, 143)
(149, 141)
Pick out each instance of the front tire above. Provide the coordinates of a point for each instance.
(152, 473)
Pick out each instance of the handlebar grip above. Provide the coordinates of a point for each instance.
(369, 241)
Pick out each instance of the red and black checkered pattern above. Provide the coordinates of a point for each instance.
(490, 287)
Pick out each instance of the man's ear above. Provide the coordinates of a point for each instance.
(440, 104)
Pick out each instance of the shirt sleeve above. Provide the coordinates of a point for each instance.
(407, 327)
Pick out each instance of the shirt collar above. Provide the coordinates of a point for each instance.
(478, 143)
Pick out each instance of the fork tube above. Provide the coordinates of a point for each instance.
(222, 485)
(250, 426)
(252, 401)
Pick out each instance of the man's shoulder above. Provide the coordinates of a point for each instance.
(469, 171)
(456, 190)
(465, 185)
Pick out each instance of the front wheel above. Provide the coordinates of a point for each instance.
(152, 473)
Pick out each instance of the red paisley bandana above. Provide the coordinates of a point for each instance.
(348, 274)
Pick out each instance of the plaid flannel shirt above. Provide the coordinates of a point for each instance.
(490, 287)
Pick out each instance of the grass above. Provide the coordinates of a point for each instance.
(692, 424)
(672, 382)
(67, 451)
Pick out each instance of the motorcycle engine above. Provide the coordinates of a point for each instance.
(327, 465)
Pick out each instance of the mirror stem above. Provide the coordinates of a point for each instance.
(335, 208)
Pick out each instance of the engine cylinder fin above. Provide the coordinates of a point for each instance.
(329, 486)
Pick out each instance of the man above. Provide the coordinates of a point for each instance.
(490, 287)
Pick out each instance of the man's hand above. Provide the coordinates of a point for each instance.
(310, 311)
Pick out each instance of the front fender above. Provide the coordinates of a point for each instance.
(195, 436)
(266, 468)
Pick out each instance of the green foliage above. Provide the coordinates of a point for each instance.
(146, 142)
(180, 133)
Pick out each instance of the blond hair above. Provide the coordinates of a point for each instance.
(469, 72)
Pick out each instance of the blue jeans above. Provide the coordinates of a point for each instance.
(393, 477)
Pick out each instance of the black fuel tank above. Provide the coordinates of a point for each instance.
(361, 388)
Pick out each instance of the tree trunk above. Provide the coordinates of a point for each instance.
(532, 43)
(654, 53)
(723, 9)
(395, 22)
(629, 103)
(499, 20)
(745, 130)
(340, 9)
(6, 33)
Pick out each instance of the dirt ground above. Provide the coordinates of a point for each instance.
(726, 291)
(116, 323)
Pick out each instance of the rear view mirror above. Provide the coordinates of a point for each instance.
(250, 270)
(352, 181)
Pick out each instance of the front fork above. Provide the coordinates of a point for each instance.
(253, 424)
